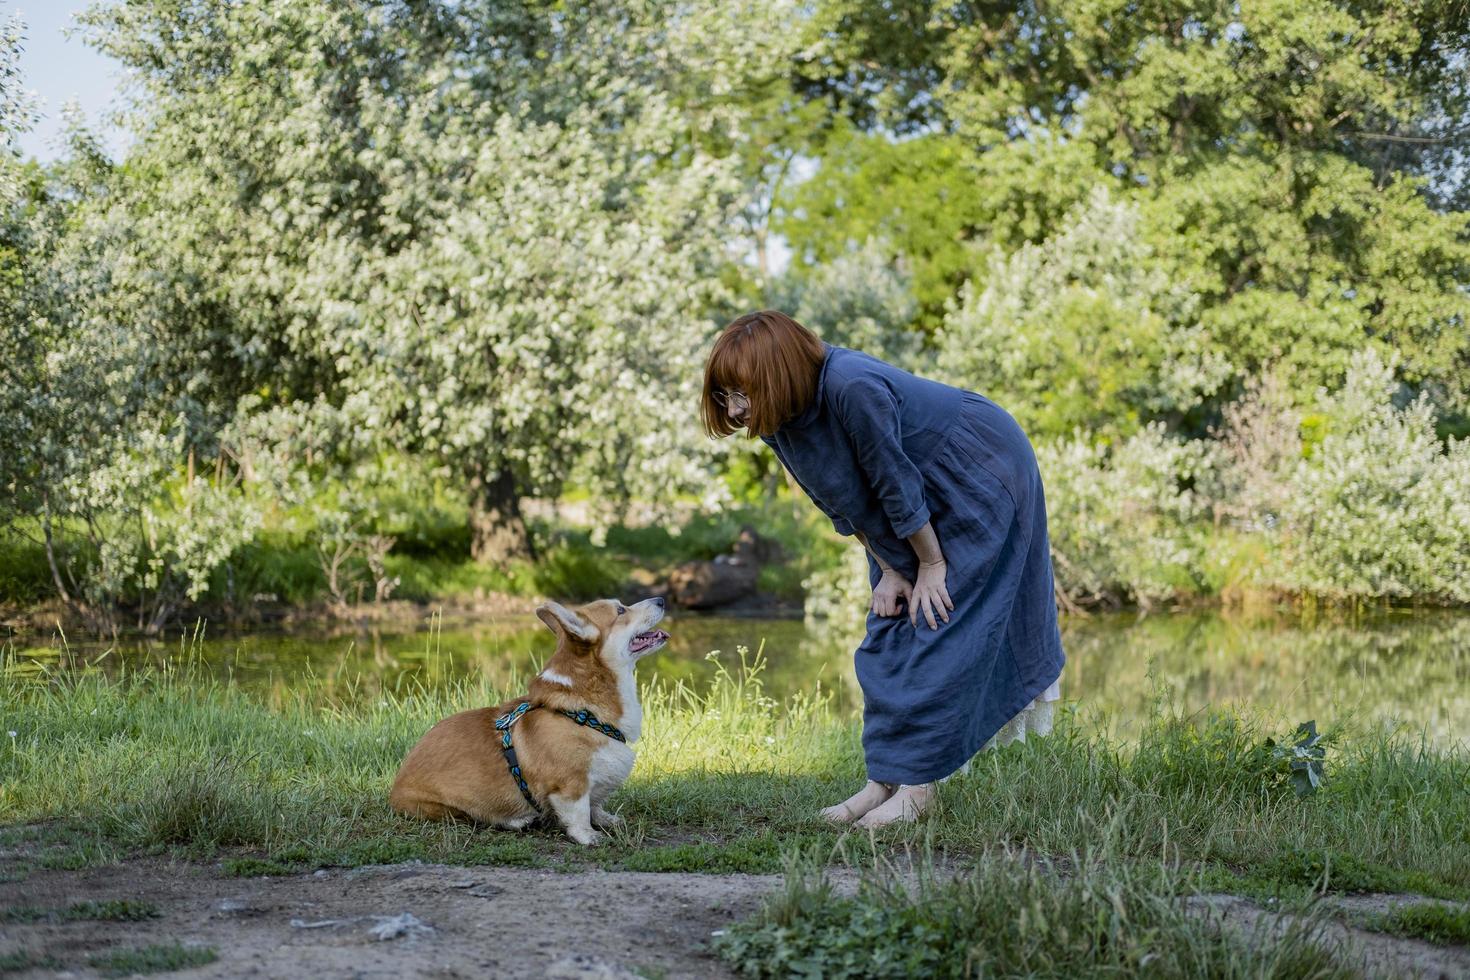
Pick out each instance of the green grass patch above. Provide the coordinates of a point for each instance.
(161, 958)
(113, 910)
(1444, 925)
(253, 867)
(1339, 872)
(74, 857)
(727, 779)
(761, 853)
(1005, 916)
(19, 961)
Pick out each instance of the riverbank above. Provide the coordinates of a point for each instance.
(413, 919)
(180, 759)
(287, 581)
(728, 780)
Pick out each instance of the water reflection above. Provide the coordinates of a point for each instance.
(1394, 669)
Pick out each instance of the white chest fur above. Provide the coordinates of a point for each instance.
(632, 720)
(611, 764)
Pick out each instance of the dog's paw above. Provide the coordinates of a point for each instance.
(607, 820)
(587, 837)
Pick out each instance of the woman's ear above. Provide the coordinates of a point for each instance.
(562, 621)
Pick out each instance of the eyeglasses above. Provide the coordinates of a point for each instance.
(734, 398)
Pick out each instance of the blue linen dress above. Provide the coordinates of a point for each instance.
(882, 451)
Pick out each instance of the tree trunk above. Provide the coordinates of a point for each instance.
(497, 530)
(51, 549)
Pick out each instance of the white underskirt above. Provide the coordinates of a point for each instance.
(1034, 719)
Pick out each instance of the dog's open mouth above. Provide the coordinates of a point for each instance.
(644, 642)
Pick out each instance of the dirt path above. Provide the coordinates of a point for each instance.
(467, 922)
(418, 920)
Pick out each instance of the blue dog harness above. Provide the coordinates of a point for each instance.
(505, 721)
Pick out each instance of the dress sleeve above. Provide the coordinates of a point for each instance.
(839, 523)
(869, 413)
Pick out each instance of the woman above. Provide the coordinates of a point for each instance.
(940, 486)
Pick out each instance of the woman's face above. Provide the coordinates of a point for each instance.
(736, 405)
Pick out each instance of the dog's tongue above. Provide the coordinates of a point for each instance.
(645, 640)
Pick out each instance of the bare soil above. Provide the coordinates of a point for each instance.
(466, 922)
(419, 920)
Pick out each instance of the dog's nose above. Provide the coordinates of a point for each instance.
(658, 600)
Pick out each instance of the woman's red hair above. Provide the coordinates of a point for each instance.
(770, 357)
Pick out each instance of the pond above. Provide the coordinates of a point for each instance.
(1397, 669)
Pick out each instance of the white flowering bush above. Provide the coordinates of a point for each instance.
(1380, 508)
(840, 590)
(157, 535)
(489, 236)
(860, 300)
(1122, 518)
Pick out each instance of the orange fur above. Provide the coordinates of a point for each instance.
(458, 771)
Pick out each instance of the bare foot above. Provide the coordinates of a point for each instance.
(904, 805)
(858, 803)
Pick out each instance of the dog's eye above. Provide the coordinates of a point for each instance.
(622, 609)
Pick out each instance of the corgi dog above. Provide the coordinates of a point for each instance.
(565, 747)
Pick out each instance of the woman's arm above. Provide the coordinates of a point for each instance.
(868, 412)
(863, 539)
(931, 593)
(891, 587)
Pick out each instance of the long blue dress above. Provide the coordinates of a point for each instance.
(882, 451)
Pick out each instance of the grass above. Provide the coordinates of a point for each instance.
(20, 961)
(1446, 925)
(161, 958)
(113, 910)
(726, 780)
(1007, 916)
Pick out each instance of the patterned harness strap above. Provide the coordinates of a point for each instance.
(505, 721)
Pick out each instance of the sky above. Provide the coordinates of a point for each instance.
(57, 68)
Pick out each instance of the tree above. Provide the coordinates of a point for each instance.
(1086, 330)
(1287, 160)
(487, 231)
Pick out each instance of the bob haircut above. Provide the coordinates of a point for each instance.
(772, 359)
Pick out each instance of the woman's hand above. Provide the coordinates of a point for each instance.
(930, 595)
(890, 589)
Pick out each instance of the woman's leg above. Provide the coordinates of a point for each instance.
(859, 803)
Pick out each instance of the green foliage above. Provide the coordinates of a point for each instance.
(252, 867)
(160, 958)
(855, 299)
(1379, 508)
(1084, 330)
(1328, 871)
(24, 574)
(759, 853)
(370, 274)
(727, 778)
(114, 910)
(1123, 519)
(913, 203)
(21, 961)
(1446, 925)
(1005, 916)
(1294, 167)
(1301, 761)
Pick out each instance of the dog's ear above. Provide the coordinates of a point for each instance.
(561, 620)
